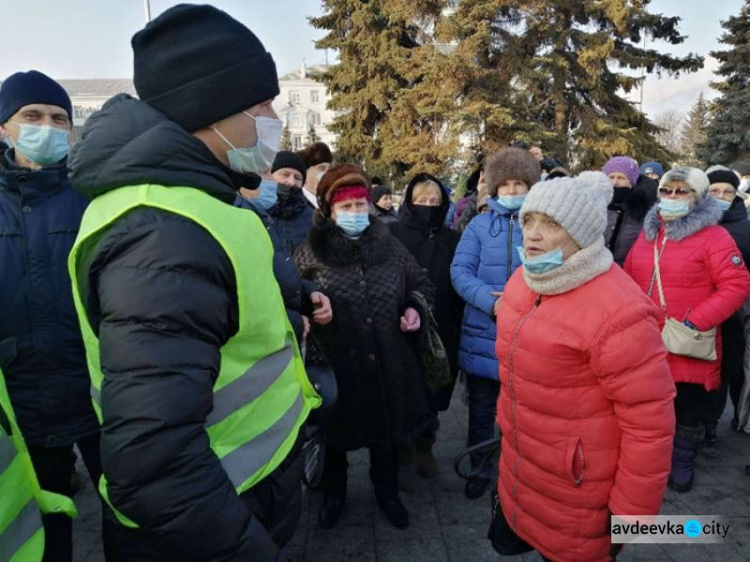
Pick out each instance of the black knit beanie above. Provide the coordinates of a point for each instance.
(198, 65)
(27, 88)
(287, 159)
(724, 176)
(379, 192)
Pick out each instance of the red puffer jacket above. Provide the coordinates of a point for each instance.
(586, 412)
(704, 278)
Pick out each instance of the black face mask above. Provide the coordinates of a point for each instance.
(291, 201)
(428, 216)
(621, 195)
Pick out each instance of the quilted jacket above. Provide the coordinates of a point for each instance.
(586, 413)
(703, 274)
(382, 396)
(485, 258)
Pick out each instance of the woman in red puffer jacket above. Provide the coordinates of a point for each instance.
(705, 281)
(586, 403)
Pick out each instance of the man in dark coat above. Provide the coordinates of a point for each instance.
(422, 230)
(161, 293)
(724, 187)
(634, 195)
(318, 158)
(292, 215)
(41, 351)
(382, 204)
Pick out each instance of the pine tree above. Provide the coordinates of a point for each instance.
(286, 138)
(312, 134)
(693, 132)
(728, 135)
(392, 111)
(550, 71)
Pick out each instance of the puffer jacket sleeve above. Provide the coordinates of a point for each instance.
(730, 277)
(464, 272)
(166, 304)
(630, 361)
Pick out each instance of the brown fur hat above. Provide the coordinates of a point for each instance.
(511, 164)
(337, 176)
(315, 153)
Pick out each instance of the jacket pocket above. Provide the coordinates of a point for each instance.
(575, 461)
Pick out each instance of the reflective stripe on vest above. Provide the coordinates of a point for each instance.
(262, 395)
(22, 501)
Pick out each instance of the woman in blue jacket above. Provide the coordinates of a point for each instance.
(484, 261)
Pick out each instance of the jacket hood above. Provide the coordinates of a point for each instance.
(706, 212)
(737, 212)
(408, 214)
(129, 142)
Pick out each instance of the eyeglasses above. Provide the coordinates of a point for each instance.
(679, 191)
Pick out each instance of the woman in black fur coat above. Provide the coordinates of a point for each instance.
(370, 278)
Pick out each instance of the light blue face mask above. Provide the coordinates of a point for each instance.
(674, 208)
(724, 205)
(267, 195)
(259, 158)
(353, 224)
(42, 145)
(511, 202)
(541, 264)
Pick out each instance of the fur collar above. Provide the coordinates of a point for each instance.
(334, 248)
(580, 268)
(706, 213)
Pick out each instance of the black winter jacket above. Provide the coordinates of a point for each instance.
(161, 294)
(44, 360)
(422, 230)
(736, 222)
(625, 216)
(292, 217)
(382, 396)
(294, 290)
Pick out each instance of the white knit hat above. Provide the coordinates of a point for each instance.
(579, 204)
(696, 179)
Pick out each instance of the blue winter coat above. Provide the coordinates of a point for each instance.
(41, 351)
(484, 261)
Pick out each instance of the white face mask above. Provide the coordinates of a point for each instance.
(259, 158)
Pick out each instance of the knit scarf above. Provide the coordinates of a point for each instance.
(580, 268)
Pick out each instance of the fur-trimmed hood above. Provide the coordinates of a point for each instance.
(707, 212)
(334, 248)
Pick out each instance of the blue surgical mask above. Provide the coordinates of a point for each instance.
(42, 145)
(267, 196)
(673, 208)
(724, 205)
(259, 158)
(511, 202)
(541, 264)
(353, 224)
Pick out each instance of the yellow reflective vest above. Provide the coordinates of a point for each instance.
(262, 395)
(22, 501)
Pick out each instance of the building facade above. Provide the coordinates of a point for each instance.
(302, 106)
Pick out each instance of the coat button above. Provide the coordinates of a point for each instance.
(363, 283)
(26, 209)
(371, 357)
(368, 320)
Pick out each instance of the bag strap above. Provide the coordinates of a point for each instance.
(657, 275)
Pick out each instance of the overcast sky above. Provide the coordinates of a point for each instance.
(91, 38)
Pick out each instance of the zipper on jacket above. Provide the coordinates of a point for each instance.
(510, 248)
(514, 430)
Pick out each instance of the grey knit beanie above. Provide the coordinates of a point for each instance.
(579, 204)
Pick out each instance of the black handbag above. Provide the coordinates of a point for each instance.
(432, 354)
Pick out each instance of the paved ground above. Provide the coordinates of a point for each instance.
(445, 526)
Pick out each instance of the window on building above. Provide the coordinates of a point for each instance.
(294, 96)
(297, 121)
(297, 142)
(313, 118)
(314, 96)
